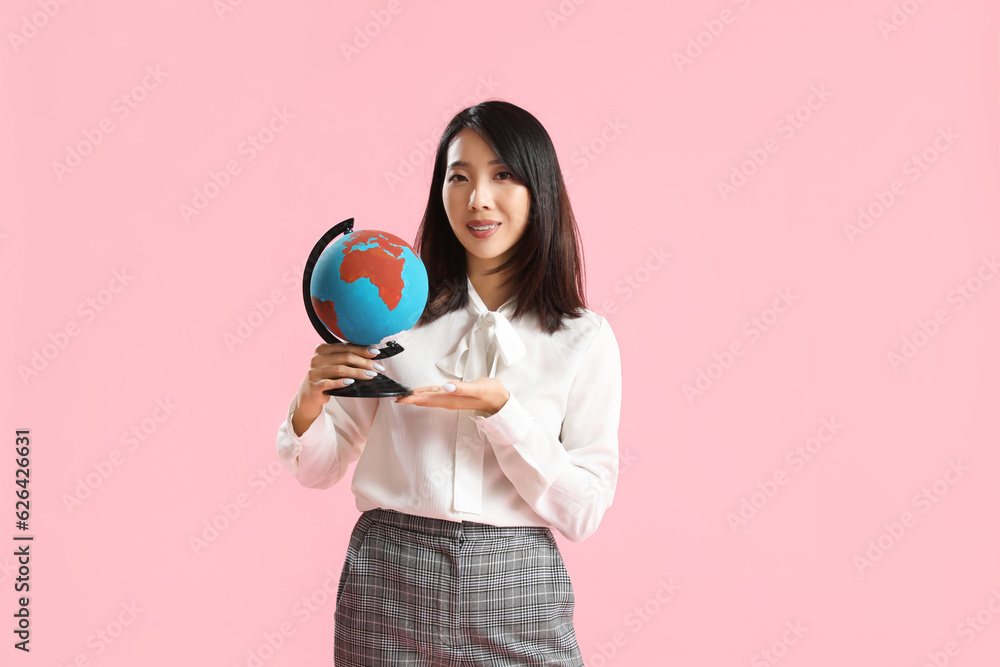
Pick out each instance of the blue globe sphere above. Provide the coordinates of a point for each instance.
(368, 286)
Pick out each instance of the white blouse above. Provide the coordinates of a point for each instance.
(549, 457)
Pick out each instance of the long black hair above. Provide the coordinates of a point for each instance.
(546, 268)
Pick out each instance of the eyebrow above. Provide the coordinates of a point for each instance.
(460, 163)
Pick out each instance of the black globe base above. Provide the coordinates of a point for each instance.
(380, 386)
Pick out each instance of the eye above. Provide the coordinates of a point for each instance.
(454, 176)
(509, 175)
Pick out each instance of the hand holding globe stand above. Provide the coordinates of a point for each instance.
(364, 288)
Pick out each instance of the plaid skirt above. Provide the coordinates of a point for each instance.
(429, 592)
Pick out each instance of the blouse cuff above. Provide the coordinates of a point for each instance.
(317, 431)
(509, 431)
(506, 426)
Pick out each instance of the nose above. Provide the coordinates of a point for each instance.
(481, 198)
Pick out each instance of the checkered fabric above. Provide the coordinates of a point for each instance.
(417, 591)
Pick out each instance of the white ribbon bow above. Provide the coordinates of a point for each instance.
(491, 339)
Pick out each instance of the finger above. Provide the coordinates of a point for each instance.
(364, 351)
(438, 399)
(346, 364)
(328, 383)
(436, 388)
(330, 348)
(423, 400)
(341, 356)
(340, 371)
(424, 396)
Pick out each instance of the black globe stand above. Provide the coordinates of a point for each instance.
(379, 386)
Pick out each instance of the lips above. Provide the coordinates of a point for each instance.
(482, 223)
(483, 233)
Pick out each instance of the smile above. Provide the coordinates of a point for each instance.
(483, 231)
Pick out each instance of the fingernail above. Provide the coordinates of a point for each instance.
(349, 381)
(379, 367)
(449, 387)
(373, 350)
(371, 374)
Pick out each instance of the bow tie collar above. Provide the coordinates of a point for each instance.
(491, 340)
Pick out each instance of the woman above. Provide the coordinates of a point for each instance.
(511, 430)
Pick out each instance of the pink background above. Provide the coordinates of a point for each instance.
(645, 139)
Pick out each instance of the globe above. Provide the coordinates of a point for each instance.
(368, 286)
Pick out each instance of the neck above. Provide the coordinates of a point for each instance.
(487, 286)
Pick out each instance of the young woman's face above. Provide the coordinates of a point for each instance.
(478, 190)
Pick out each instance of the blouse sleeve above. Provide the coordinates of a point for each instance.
(321, 455)
(570, 480)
